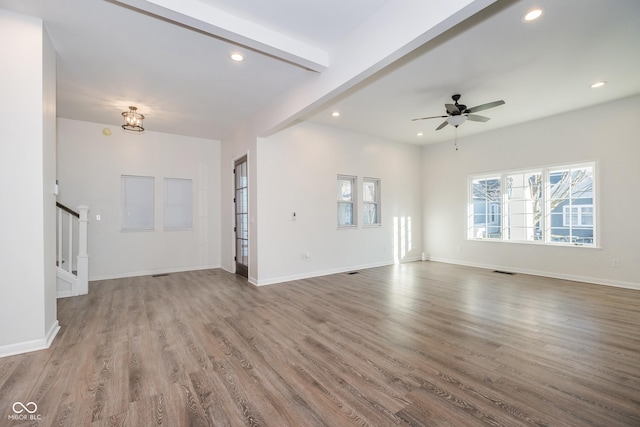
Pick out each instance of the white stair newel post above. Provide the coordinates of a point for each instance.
(60, 238)
(70, 246)
(83, 256)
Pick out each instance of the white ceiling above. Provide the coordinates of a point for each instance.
(112, 54)
(539, 69)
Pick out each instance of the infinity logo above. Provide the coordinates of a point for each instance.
(30, 407)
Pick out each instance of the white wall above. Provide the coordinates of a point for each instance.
(49, 178)
(90, 166)
(607, 134)
(297, 172)
(27, 167)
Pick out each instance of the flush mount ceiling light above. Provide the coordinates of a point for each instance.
(597, 85)
(532, 15)
(335, 114)
(133, 120)
(237, 57)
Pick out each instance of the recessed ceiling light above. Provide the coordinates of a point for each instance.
(597, 84)
(532, 15)
(238, 57)
(420, 133)
(335, 114)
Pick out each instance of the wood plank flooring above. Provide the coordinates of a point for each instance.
(419, 344)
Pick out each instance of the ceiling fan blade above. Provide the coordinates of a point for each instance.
(432, 117)
(484, 106)
(477, 118)
(442, 125)
(452, 109)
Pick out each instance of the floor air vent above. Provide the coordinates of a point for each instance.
(353, 272)
(160, 275)
(504, 272)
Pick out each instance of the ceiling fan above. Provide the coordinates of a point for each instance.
(459, 113)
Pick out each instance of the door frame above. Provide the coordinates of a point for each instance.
(240, 268)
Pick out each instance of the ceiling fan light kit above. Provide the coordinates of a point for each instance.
(457, 113)
(457, 120)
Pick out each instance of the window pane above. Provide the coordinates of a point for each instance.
(571, 197)
(137, 203)
(371, 199)
(178, 204)
(523, 206)
(344, 189)
(346, 195)
(486, 203)
(369, 191)
(345, 213)
(370, 213)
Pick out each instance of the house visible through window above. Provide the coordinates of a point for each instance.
(548, 205)
(371, 201)
(346, 194)
(577, 216)
(485, 220)
(571, 205)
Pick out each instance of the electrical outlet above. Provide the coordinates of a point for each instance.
(615, 262)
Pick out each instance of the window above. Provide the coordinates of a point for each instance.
(523, 206)
(371, 201)
(178, 204)
(485, 221)
(346, 201)
(571, 202)
(548, 205)
(137, 203)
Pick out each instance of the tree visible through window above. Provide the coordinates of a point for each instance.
(554, 205)
(371, 201)
(523, 206)
(571, 202)
(346, 200)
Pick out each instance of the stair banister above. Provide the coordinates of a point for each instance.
(72, 281)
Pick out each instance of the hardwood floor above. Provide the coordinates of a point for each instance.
(421, 344)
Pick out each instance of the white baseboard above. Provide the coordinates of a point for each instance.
(310, 275)
(65, 294)
(553, 275)
(53, 331)
(152, 272)
(32, 345)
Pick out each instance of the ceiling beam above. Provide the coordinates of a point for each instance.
(398, 28)
(198, 15)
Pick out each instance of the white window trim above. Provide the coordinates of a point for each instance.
(353, 201)
(545, 228)
(377, 202)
